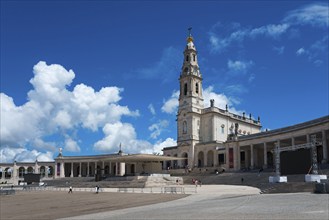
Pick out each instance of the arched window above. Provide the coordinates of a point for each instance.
(187, 57)
(184, 127)
(194, 57)
(185, 89)
(185, 69)
(197, 87)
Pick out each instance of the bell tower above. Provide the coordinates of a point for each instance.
(190, 100)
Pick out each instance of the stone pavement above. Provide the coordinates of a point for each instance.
(228, 202)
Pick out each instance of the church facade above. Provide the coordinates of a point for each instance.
(213, 137)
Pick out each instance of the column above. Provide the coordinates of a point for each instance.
(80, 169)
(95, 170)
(46, 171)
(292, 141)
(71, 170)
(215, 159)
(252, 156)
(246, 158)
(324, 147)
(265, 155)
(103, 167)
(308, 138)
(62, 170)
(110, 168)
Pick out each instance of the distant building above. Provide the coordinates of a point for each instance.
(212, 137)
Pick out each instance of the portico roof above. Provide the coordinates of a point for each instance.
(143, 158)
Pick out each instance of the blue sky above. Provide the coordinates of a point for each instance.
(89, 75)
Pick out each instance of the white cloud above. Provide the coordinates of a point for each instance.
(9, 155)
(40, 144)
(52, 109)
(170, 106)
(157, 128)
(71, 145)
(221, 100)
(239, 66)
(271, 30)
(219, 43)
(159, 145)
(223, 36)
(151, 108)
(121, 133)
(279, 50)
(316, 14)
(301, 51)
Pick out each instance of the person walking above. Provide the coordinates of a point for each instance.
(70, 190)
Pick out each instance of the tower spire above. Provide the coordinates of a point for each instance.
(189, 38)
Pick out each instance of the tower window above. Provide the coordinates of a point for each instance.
(187, 58)
(185, 89)
(197, 87)
(194, 57)
(184, 127)
(186, 69)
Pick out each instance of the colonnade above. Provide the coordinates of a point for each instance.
(256, 155)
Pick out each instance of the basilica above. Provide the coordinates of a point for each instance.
(214, 137)
(208, 139)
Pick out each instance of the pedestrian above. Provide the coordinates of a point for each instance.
(97, 189)
(196, 183)
(70, 190)
(200, 183)
(242, 180)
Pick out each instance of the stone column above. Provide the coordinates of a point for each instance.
(46, 171)
(95, 170)
(308, 138)
(292, 141)
(103, 167)
(265, 156)
(88, 169)
(324, 147)
(214, 159)
(246, 158)
(80, 169)
(252, 156)
(2, 172)
(36, 167)
(62, 170)
(71, 170)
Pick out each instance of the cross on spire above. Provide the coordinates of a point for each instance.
(189, 31)
(189, 38)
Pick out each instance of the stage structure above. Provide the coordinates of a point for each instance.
(314, 177)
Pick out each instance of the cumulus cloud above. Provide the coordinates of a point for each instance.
(121, 133)
(157, 128)
(159, 145)
(52, 109)
(71, 145)
(170, 106)
(9, 155)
